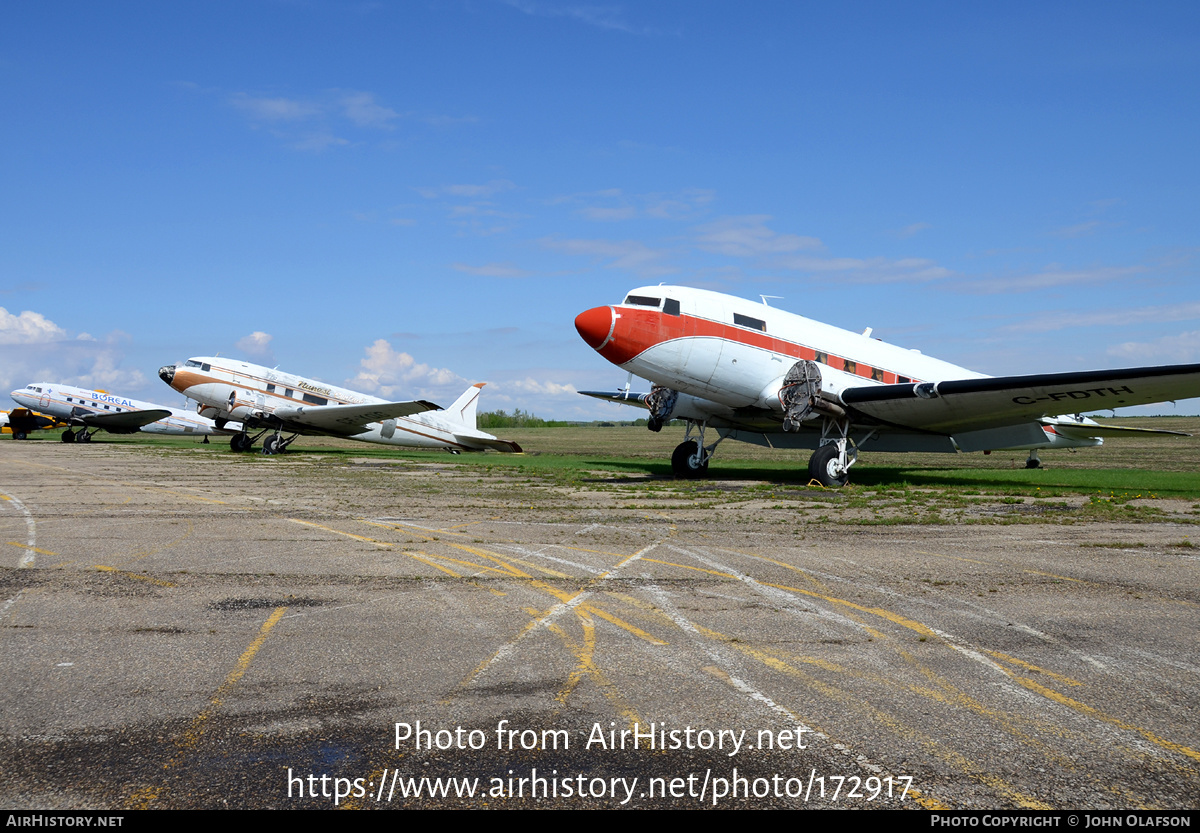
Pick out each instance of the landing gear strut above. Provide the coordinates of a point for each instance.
(1034, 462)
(690, 458)
(830, 463)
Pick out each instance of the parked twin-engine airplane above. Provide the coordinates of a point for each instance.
(95, 410)
(766, 376)
(274, 401)
(20, 421)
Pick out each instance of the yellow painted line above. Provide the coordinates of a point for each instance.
(620, 623)
(38, 550)
(1093, 712)
(138, 576)
(144, 796)
(1030, 667)
(362, 538)
(783, 564)
(874, 611)
(969, 768)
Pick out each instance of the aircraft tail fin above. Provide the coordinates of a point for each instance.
(464, 408)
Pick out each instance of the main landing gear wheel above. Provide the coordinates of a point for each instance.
(68, 436)
(273, 445)
(826, 467)
(240, 442)
(685, 461)
(19, 435)
(83, 437)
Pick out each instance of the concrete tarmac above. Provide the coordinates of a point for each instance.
(184, 627)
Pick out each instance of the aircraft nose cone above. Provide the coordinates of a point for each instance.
(595, 325)
(167, 373)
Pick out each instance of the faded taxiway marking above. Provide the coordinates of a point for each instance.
(142, 798)
(27, 560)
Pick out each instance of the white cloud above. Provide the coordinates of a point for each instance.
(1123, 317)
(749, 236)
(621, 254)
(529, 385)
(274, 109)
(493, 270)
(1051, 276)
(389, 373)
(28, 328)
(486, 189)
(360, 108)
(57, 357)
(613, 205)
(909, 231)
(601, 17)
(1183, 348)
(257, 344)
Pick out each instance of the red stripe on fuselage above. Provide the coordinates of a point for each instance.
(637, 330)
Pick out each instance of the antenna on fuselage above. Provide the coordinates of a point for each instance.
(867, 332)
(765, 297)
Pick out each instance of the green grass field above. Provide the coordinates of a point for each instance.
(1124, 468)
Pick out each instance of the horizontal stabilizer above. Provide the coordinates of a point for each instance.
(488, 441)
(349, 419)
(1083, 431)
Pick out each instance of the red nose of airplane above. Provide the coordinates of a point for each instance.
(595, 325)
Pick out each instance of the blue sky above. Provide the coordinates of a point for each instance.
(407, 197)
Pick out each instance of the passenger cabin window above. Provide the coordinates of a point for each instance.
(821, 358)
(671, 306)
(270, 388)
(287, 392)
(643, 301)
(747, 321)
(315, 400)
(876, 374)
(849, 366)
(902, 380)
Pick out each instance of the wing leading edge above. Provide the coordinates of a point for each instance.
(126, 422)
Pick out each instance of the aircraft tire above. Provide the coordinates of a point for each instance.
(83, 437)
(683, 464)
(19, 435)
(822, 467)
(239, 443)
(68, 436)
(269, 446)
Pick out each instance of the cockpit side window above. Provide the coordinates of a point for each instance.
(747, 321)
(671, 306)
(643, 301)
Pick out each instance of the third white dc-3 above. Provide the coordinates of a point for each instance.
(269, 400)
(762, 375)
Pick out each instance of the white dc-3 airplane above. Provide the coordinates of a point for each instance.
(90, 411)
(274, 401)
(763, 375)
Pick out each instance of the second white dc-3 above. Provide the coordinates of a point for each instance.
(763, 375)
(271, 401)
(89, 411)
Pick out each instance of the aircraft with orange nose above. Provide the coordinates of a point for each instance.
(759, 374)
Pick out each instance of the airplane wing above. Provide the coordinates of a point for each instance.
(126, 422)
(349, 419)
(965, 405)
(638, 400)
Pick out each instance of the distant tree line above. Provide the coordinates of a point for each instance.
(517, 419)
(524, 419)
